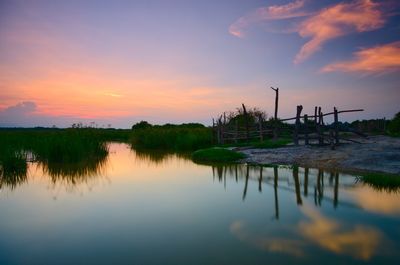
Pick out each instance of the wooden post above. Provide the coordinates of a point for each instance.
(336, 125)
(260, 127)
(297, 125)
(319, 127)
(276, 101)
(322, 118)
(306, 140)
(315, 116)
(246, 119)
(260, 180)
(276, 112)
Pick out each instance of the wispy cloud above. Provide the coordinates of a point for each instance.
(274, 12)
(113, 95)
(336, 21)
(376, 60)
(321, 26)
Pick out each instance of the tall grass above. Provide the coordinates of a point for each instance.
(176, 138)
(68, 152)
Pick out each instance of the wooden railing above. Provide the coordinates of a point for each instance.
(306, 127)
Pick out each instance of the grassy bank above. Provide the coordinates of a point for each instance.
(216, 155)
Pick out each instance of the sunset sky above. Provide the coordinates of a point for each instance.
(119, 62)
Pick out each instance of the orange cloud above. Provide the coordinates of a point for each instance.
(274, 12)
(336, 21)
(378, 59)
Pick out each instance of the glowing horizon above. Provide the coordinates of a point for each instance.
(121, 62)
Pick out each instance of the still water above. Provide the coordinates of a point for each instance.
(140, 208)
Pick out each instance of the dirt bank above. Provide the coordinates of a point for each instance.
(375, 153)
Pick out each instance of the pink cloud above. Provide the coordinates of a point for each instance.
(274, 12)
(326, 24)
(378, 59)
(336, 21)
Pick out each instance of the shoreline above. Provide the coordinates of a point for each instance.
(380, 154)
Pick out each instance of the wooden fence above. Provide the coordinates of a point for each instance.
(306, 127)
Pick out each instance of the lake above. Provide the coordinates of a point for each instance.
(155, 208)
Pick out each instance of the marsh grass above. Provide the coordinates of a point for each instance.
(73, 152)
(175, 138)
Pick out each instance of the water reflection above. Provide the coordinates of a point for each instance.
(13, 171)
(221, 214)
(299, 182)
(271, 244)
(355, 239)
(71, 175)
(154, 157)
(358, 241)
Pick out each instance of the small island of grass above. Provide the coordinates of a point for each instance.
(216, 155)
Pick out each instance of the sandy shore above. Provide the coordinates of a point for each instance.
(375, 153)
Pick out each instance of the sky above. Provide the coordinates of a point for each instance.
(118, 62)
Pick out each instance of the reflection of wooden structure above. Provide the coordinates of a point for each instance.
(298, 183)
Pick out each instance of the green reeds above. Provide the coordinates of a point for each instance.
(176, 138)
(74, 152)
